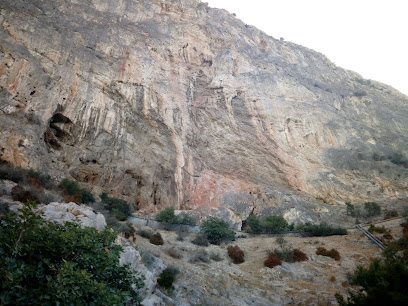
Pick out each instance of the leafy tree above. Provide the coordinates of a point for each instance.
(382, 283)
(167, 216)
(217, 230)
(46, 263)
(117, 207)
(254, 223)
(275, 224)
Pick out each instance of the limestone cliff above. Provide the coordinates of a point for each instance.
(173, 103)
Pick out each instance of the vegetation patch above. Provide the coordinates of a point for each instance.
(333, 253)
(168, 216)
(272, 261)
(217, 230)
(201, 239)
(236, 254)
(44, 263)
(322, 229)
(156, 239)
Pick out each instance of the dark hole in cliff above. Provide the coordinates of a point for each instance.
(59, 118)
(33, 92)
(243, 225)
(54, 133)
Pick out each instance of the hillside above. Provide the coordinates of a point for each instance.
(173, 103)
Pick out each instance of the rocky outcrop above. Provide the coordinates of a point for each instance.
(172, 103)
(69, 212)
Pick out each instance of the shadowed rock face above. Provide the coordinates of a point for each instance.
(172, 103)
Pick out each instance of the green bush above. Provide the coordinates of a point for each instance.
(167, 216)
(382, 283)
(270, 225)
(254, 224)
(74, 193)
(87, 197)
(117, 207)
(20, 175)
(145, 233)
(217, 230)
(377, 229)
(322, 229)
(372, 209)
(275, 224)
(45, 263)
(167, 277)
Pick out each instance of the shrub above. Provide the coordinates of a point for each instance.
(322, 229)
(391, 214)
(167, 278)
(87, 197)
(274, 224)
(350, 209)
(167, 216)
(217, 230)
(201, 240)
(236, 254)
(19, 193)
(200, 255)
(46, 263)
(145, 233)
(272, 261)
(254, 224)
(174, 253)
(118, 207)
(284, 255)
(333, 253)
(156, 239)
(73, 193)
(12, 173)
(382, 283)
(372, 209)
(187, 220)
(298, 255)
(377, 229)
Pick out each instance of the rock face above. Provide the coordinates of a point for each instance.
(172, 103)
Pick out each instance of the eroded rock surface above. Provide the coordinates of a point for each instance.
(173, 103)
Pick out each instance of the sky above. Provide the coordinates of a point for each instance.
(369, 37)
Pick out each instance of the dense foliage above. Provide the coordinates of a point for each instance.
(270, 225)
(117, 207)
(168, 216)
(382, 283)
(74, 193)
(322, 229)
(236, 254)
(217, 230)
(20, 175)
(45, 263)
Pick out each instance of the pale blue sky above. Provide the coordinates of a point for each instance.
(366, 36)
